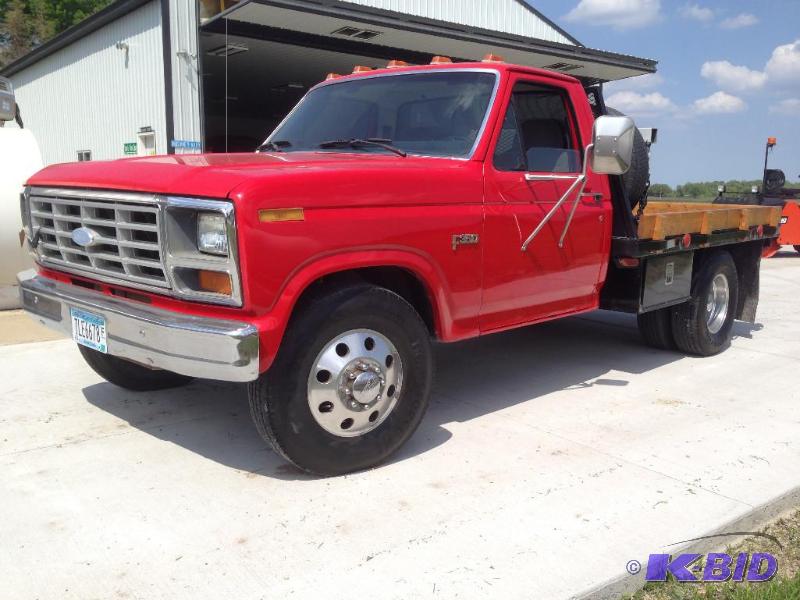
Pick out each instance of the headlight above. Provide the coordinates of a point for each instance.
(201, 250)
(212, 234)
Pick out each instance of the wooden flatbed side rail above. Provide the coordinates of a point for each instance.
(662, 220)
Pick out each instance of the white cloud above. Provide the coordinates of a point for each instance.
(739, 21)
(784, 66)
(621, 14)
(642, 82)
(635, 104)
(733, 77)
(790, 107)
(719, 103)
(697, 13)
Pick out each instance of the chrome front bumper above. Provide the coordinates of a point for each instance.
(185, 344)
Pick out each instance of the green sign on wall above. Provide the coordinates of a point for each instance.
(131, 148)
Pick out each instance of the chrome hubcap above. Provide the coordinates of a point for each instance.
(355, 383)
(718, 303)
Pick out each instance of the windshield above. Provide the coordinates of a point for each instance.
(431, 114)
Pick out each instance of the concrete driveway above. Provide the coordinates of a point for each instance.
(551, 456)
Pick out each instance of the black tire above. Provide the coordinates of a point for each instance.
(690, 326)
(129, 375)
(797, 249)
(279, 398)
(637, 180)
(656, 329)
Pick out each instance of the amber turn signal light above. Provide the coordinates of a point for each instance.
(441, 60)
(496, 58)
(214, 282)
(278, 215)
(396, 64)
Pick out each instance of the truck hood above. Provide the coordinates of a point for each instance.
(211, 175)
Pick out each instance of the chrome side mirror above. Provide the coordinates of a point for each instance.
(613, 145)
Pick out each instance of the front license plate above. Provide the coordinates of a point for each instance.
(89, 330)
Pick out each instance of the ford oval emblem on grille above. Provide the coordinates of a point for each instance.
(83, 236)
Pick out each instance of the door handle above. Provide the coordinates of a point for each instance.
(549, 177)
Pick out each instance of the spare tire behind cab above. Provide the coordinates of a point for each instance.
(637, 180)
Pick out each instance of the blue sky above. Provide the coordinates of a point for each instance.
(728, 78)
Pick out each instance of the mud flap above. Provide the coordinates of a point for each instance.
(748, 264)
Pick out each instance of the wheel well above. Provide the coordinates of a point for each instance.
(402, 282)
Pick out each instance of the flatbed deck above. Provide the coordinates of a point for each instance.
(667, 227)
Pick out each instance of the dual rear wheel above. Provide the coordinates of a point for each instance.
(703, 326)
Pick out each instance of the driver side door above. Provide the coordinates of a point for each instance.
(534, 158)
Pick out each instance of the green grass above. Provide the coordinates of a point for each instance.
(786, 586)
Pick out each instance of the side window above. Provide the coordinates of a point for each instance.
(508, 155)
(545, 130)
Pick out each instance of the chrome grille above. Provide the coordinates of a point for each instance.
(128, 244)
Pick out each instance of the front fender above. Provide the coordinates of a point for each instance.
(273, 325)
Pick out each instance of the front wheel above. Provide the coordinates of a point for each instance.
(797, 249)
(703, 326)
(350, 384)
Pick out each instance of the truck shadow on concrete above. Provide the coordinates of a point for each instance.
(473, 379)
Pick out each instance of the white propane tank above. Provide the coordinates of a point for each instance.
(19, 159)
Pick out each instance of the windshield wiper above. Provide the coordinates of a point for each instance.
(277, 146)
(358, 142)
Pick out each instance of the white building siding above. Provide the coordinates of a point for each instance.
(506, 16)
(185, 72)
(85, 96)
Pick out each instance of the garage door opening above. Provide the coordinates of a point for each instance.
(250, 85)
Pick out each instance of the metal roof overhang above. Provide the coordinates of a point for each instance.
(312, 23)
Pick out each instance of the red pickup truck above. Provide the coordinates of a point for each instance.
(391, 209)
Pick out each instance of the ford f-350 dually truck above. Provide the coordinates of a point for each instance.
(391, 209)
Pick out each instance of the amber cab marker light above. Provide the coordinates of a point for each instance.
(396, 64)
(332, 76)
(442, 60)
(278, 215)
(362, 69)
(214, 282)
(493, 58)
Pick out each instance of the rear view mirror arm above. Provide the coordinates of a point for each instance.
(580, 180)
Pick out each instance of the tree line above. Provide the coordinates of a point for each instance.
(705, 189)
(25, 24)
